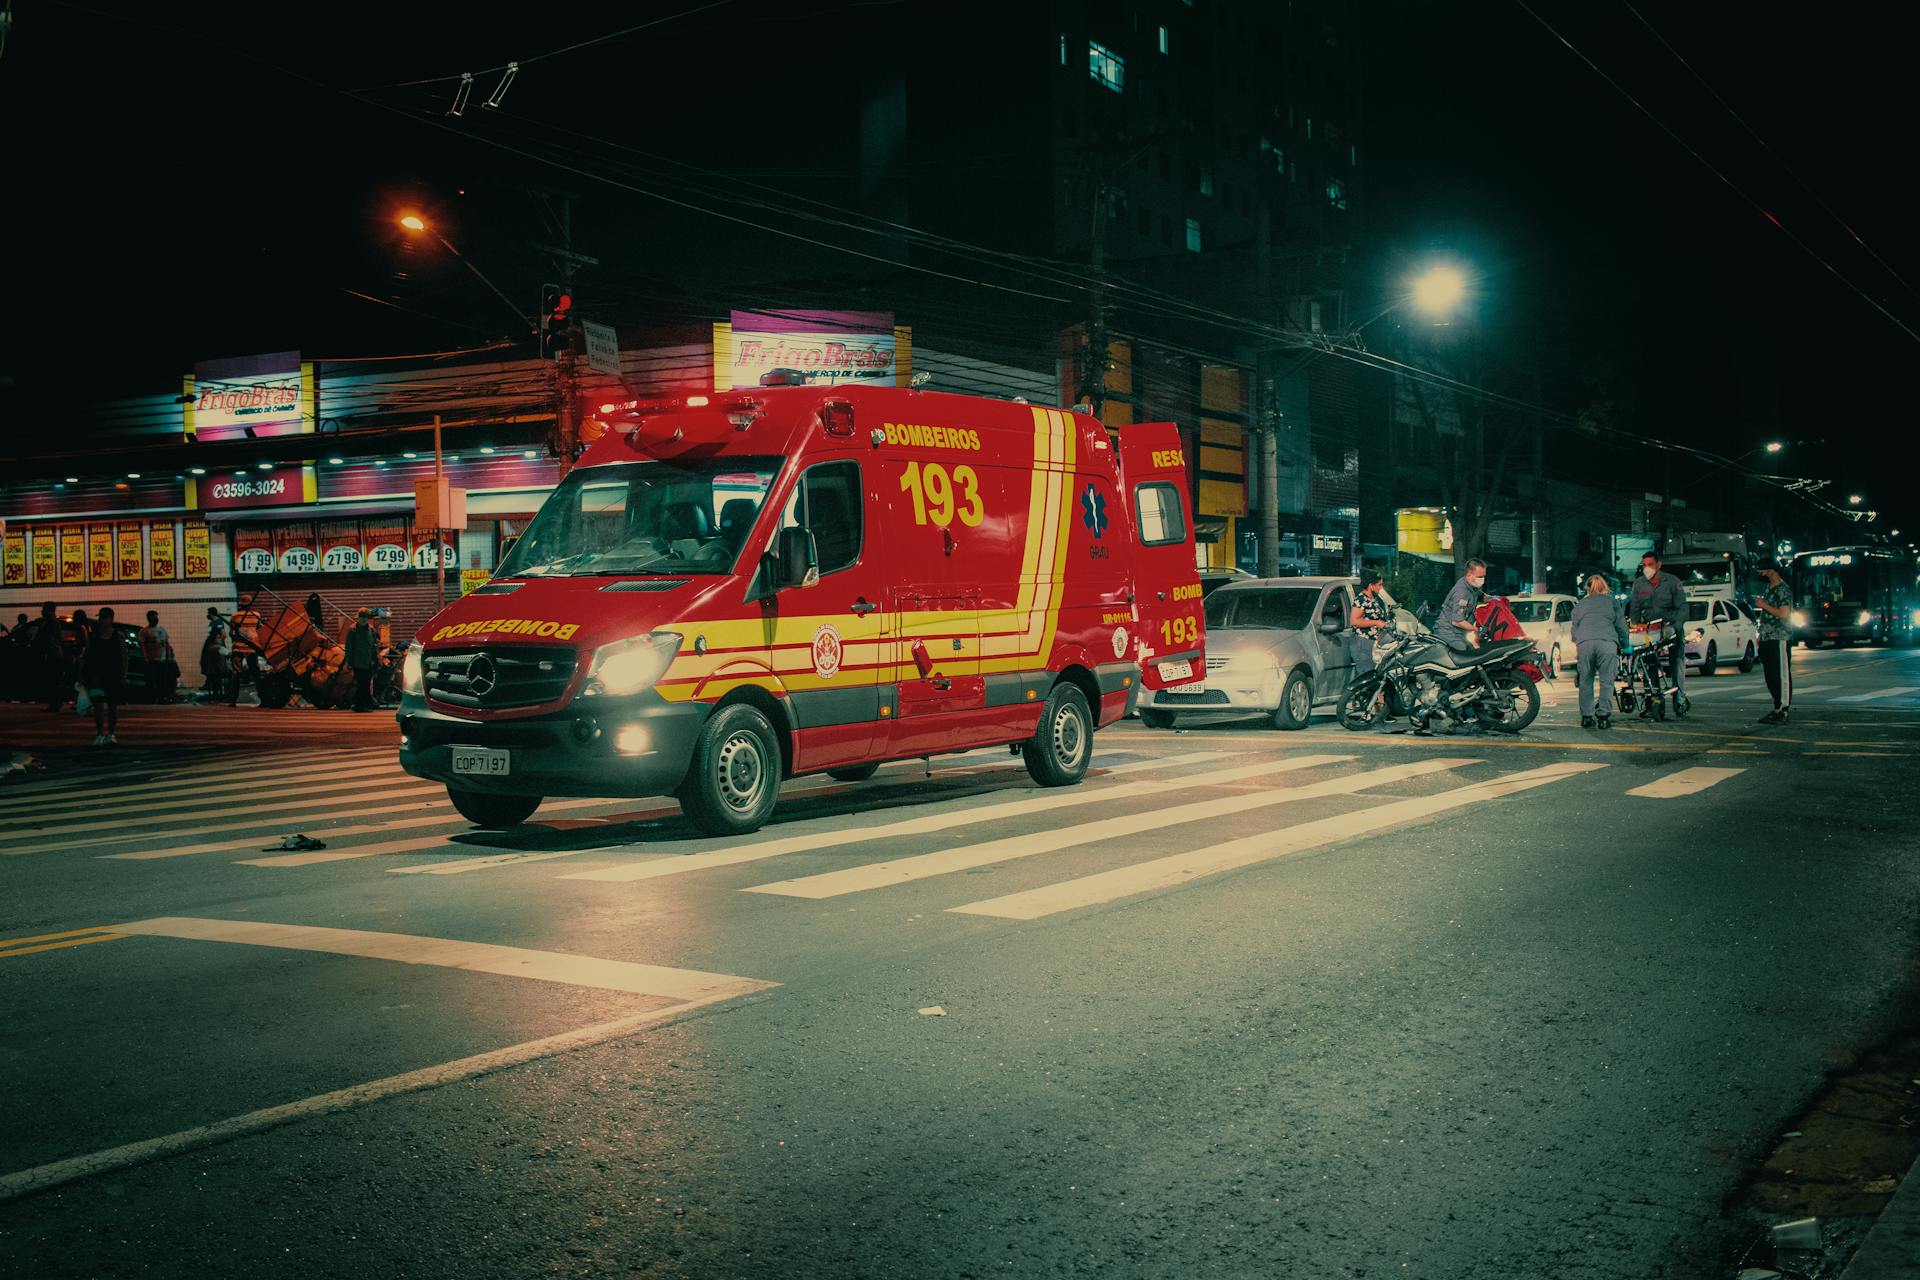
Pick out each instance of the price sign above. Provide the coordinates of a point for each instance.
(132, 553)
(387, 555)
(196, 541)
(341, 558)
(255, 560)
(298, 560)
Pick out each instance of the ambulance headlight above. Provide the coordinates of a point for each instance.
(413, 671)
(628, 666)
(1798, 619)
(1865, 618)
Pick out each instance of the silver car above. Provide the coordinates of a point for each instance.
(1276, 646)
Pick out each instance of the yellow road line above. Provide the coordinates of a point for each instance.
(55, 946)
(49, 937)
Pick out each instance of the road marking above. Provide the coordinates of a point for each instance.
(56, 946)
(681, 864)
(1686, 782)
(904, 870)
(1736, 751)
(1798, 693)
(1894, 692)
(456, 824)
(199, 781)
(108, 824)
(484, 864)
(59, 1172)
(1185, 868)
(451, 953)
(49, 937)
(151, 804)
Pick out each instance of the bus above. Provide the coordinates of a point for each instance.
(1847, 595)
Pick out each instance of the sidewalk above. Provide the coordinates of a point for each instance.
(1891, 1250)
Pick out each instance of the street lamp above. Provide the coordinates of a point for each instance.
(1439, 290)
(1774, 446)
(1854, 498)
(414, 222)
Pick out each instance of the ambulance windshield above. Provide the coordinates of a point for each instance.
(639, 518)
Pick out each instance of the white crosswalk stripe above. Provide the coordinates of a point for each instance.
(170, 793)
(668, 864)
(901, 871)
(1186, 868)
(299, 801)
(160, 806)
(1686, 782)
(1897, 691)
(112, 780)
(1798, 692)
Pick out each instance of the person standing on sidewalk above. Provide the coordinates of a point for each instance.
(51, 659)
(1776, 641)
(156, 647)
(1658, 595)
(1599, 637)
(103, 670)
(362, 650)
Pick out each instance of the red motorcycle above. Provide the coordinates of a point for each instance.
(1496, 622)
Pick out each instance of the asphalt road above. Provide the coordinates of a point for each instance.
(1245, 1002)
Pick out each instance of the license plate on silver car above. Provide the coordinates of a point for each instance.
(482, 760)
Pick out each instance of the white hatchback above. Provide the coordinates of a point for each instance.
(1548, 622)
(1720, 631)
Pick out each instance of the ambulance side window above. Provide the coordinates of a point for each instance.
(827, 501)
(1162, 515)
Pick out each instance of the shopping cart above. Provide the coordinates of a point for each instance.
(1643, 683)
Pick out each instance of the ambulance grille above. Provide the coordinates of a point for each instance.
(509, 676)
(647, 584)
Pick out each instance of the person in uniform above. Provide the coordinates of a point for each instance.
(1454, 624)
(1658, 595)
(1599, 638)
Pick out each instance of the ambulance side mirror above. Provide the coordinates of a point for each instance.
(799, 559)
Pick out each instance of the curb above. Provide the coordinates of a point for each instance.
(1891, 1249)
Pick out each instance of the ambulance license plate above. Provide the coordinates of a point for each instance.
(1186, 690)
(1177, 669)
(482, 760)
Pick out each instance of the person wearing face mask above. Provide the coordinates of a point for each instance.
(1658, 595)
(1454, 624)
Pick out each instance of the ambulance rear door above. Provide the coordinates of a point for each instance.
(1153, 473)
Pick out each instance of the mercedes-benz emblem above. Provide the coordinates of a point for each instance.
(482, 675)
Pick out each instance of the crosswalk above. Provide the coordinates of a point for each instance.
(1145, 820)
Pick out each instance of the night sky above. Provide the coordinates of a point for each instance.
(190, 181)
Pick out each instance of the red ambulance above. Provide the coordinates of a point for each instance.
(734, 589)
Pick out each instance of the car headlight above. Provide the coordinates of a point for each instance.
(413, 671)
(1865, 618)
(628, 666)
(1697, 635)
(1798, 619)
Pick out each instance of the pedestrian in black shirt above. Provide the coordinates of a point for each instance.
(103, 670)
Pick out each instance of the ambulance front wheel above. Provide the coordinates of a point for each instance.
(735, 776)
(489, 809)
(1058, 753)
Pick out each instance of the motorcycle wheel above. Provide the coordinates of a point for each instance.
(1525, 704)
(1357, 712)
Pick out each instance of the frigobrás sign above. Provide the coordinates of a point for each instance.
(825, 346)
(269, 395)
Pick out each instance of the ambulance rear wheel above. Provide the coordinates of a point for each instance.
(1156, 719)
(492, 810)
(1058, 753)
(735, 776)
(854, 772)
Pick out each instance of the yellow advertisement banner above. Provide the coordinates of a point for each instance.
(100, 553)
(14, 572)
(160, 552)
(46, 555)
(473, 579)
(73, 553)
(197, 550)
(131, 564)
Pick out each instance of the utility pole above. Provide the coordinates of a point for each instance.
(1539, 511)
(1095, 381)
(439, 515)
(558, 207)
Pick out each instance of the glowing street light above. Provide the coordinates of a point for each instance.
(1774, 446)
(414, 222)
(1439, 290)
(1854, 498)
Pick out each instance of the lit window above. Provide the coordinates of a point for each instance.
(1280, 162)
(1163, 39)
(1206, 181)
(1309, 128)
(1063, 48)
(1336, 193)
(1353, 157)
(1106, 66)
(1193, 234)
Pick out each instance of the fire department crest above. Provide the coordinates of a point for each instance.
(826, 652)
(1119, 642)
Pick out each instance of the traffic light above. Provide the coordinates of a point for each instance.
(556, 313)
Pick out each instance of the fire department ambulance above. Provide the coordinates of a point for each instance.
(734, 589)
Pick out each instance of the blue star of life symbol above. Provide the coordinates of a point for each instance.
(1093, 511)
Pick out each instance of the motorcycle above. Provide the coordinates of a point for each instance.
(1417, 676)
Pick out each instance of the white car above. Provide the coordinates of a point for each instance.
(1548, 622)
(1719, 631)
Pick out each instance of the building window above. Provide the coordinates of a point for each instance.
(1206, 181)
(1063, 48)
(1163, 39)
(1146, 223)
(1106, 66)
(1309, 128)
(1353, 157)
(1280, 162)
(1193, 235)
(1336, 193)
